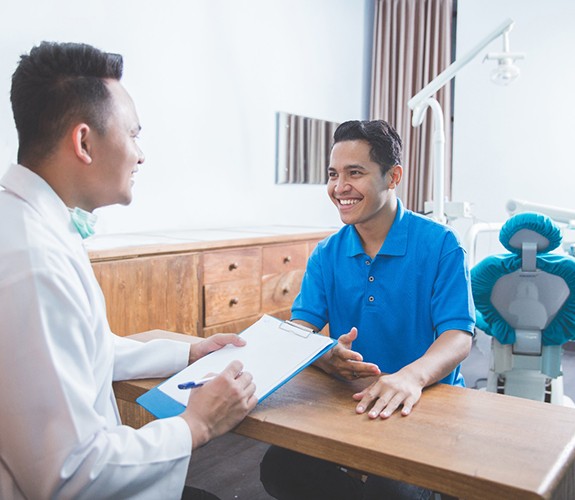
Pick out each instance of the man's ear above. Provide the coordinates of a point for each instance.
(396, 173)
(81, 137)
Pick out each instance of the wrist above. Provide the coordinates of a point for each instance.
(199, 430)
(416, 376)
(192, 357)
(324, 362)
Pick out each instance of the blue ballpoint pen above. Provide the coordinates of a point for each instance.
(196, 383)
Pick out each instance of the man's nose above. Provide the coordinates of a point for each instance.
(341, 185)
(141, 157)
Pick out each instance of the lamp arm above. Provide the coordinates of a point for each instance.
(438, 211)
(449, 72)
(563, 215)
(438, 160)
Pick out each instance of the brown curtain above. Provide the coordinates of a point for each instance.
(412, 45)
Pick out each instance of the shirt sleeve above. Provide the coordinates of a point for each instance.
(310, 305)
(452, 305)
(155, 358)
(60, 437)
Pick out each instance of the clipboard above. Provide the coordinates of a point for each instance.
(275, 351)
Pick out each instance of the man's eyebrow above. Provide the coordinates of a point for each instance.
(353, 167)
(349, 167)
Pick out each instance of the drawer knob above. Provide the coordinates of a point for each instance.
(287, 259)
(233, 265)
(235, 301)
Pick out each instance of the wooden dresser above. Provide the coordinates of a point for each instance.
(201, 282)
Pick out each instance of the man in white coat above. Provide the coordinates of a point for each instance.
(60, 433)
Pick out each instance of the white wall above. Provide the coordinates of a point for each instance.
(516, 141)
(207, 77)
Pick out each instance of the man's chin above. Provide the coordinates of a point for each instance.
(346, 219)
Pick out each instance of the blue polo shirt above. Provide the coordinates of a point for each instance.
(415, 288)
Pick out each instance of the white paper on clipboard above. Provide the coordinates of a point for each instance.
(275, 351)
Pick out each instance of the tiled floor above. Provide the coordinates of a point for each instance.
(229, 466)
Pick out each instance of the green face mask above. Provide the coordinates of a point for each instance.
(83, 221)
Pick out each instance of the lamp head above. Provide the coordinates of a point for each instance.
(506, 71)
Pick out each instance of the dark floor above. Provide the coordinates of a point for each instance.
(229, 466)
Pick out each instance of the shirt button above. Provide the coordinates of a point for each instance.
(371, 298)
(371, 278)
(367, 262)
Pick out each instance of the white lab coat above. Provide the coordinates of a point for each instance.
(60, 432)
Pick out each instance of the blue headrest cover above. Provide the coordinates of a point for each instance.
(485, 274)
(538, 223)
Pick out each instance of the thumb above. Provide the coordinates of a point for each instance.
(347, 338)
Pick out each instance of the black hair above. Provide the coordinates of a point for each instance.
(55, 85)
(384, 141)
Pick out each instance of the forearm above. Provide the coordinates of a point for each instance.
(442, 357)
(156, 358)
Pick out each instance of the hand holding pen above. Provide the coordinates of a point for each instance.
(192, 384)
(230, 396)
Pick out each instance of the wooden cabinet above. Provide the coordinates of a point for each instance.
(283, 269)
(146, 293)
(232, 288)
(202, 288)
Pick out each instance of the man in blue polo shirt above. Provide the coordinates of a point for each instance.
(394, 288)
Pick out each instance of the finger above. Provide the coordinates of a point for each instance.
(352, 370)
(245, 378)
(361, 369)
(236, 340)
(368, 397)
(234, 369)
(378, 408)
(249, 397)
(252, 402)
(408, 405)
(345, 354)
(347, 338)
(391, 406)
(358, 396)
(361, 407)
(223, 339)
(251, 390)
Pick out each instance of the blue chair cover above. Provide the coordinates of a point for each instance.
(485, 274)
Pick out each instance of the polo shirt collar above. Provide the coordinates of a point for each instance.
(395, 243)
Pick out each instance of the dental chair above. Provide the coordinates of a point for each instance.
(526, 301)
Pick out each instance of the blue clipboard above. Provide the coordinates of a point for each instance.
(269, 342)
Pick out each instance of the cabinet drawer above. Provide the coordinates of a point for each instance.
(230, 265)
(232, 300)
(284, 258)
(280, 290)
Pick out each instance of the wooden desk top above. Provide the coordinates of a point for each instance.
(467, 443)
(114, 246)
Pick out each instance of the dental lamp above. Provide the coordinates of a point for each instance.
(558, 214)
(505, 73)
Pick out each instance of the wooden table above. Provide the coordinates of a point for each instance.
(463, 442)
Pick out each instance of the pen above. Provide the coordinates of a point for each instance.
(196, 383)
